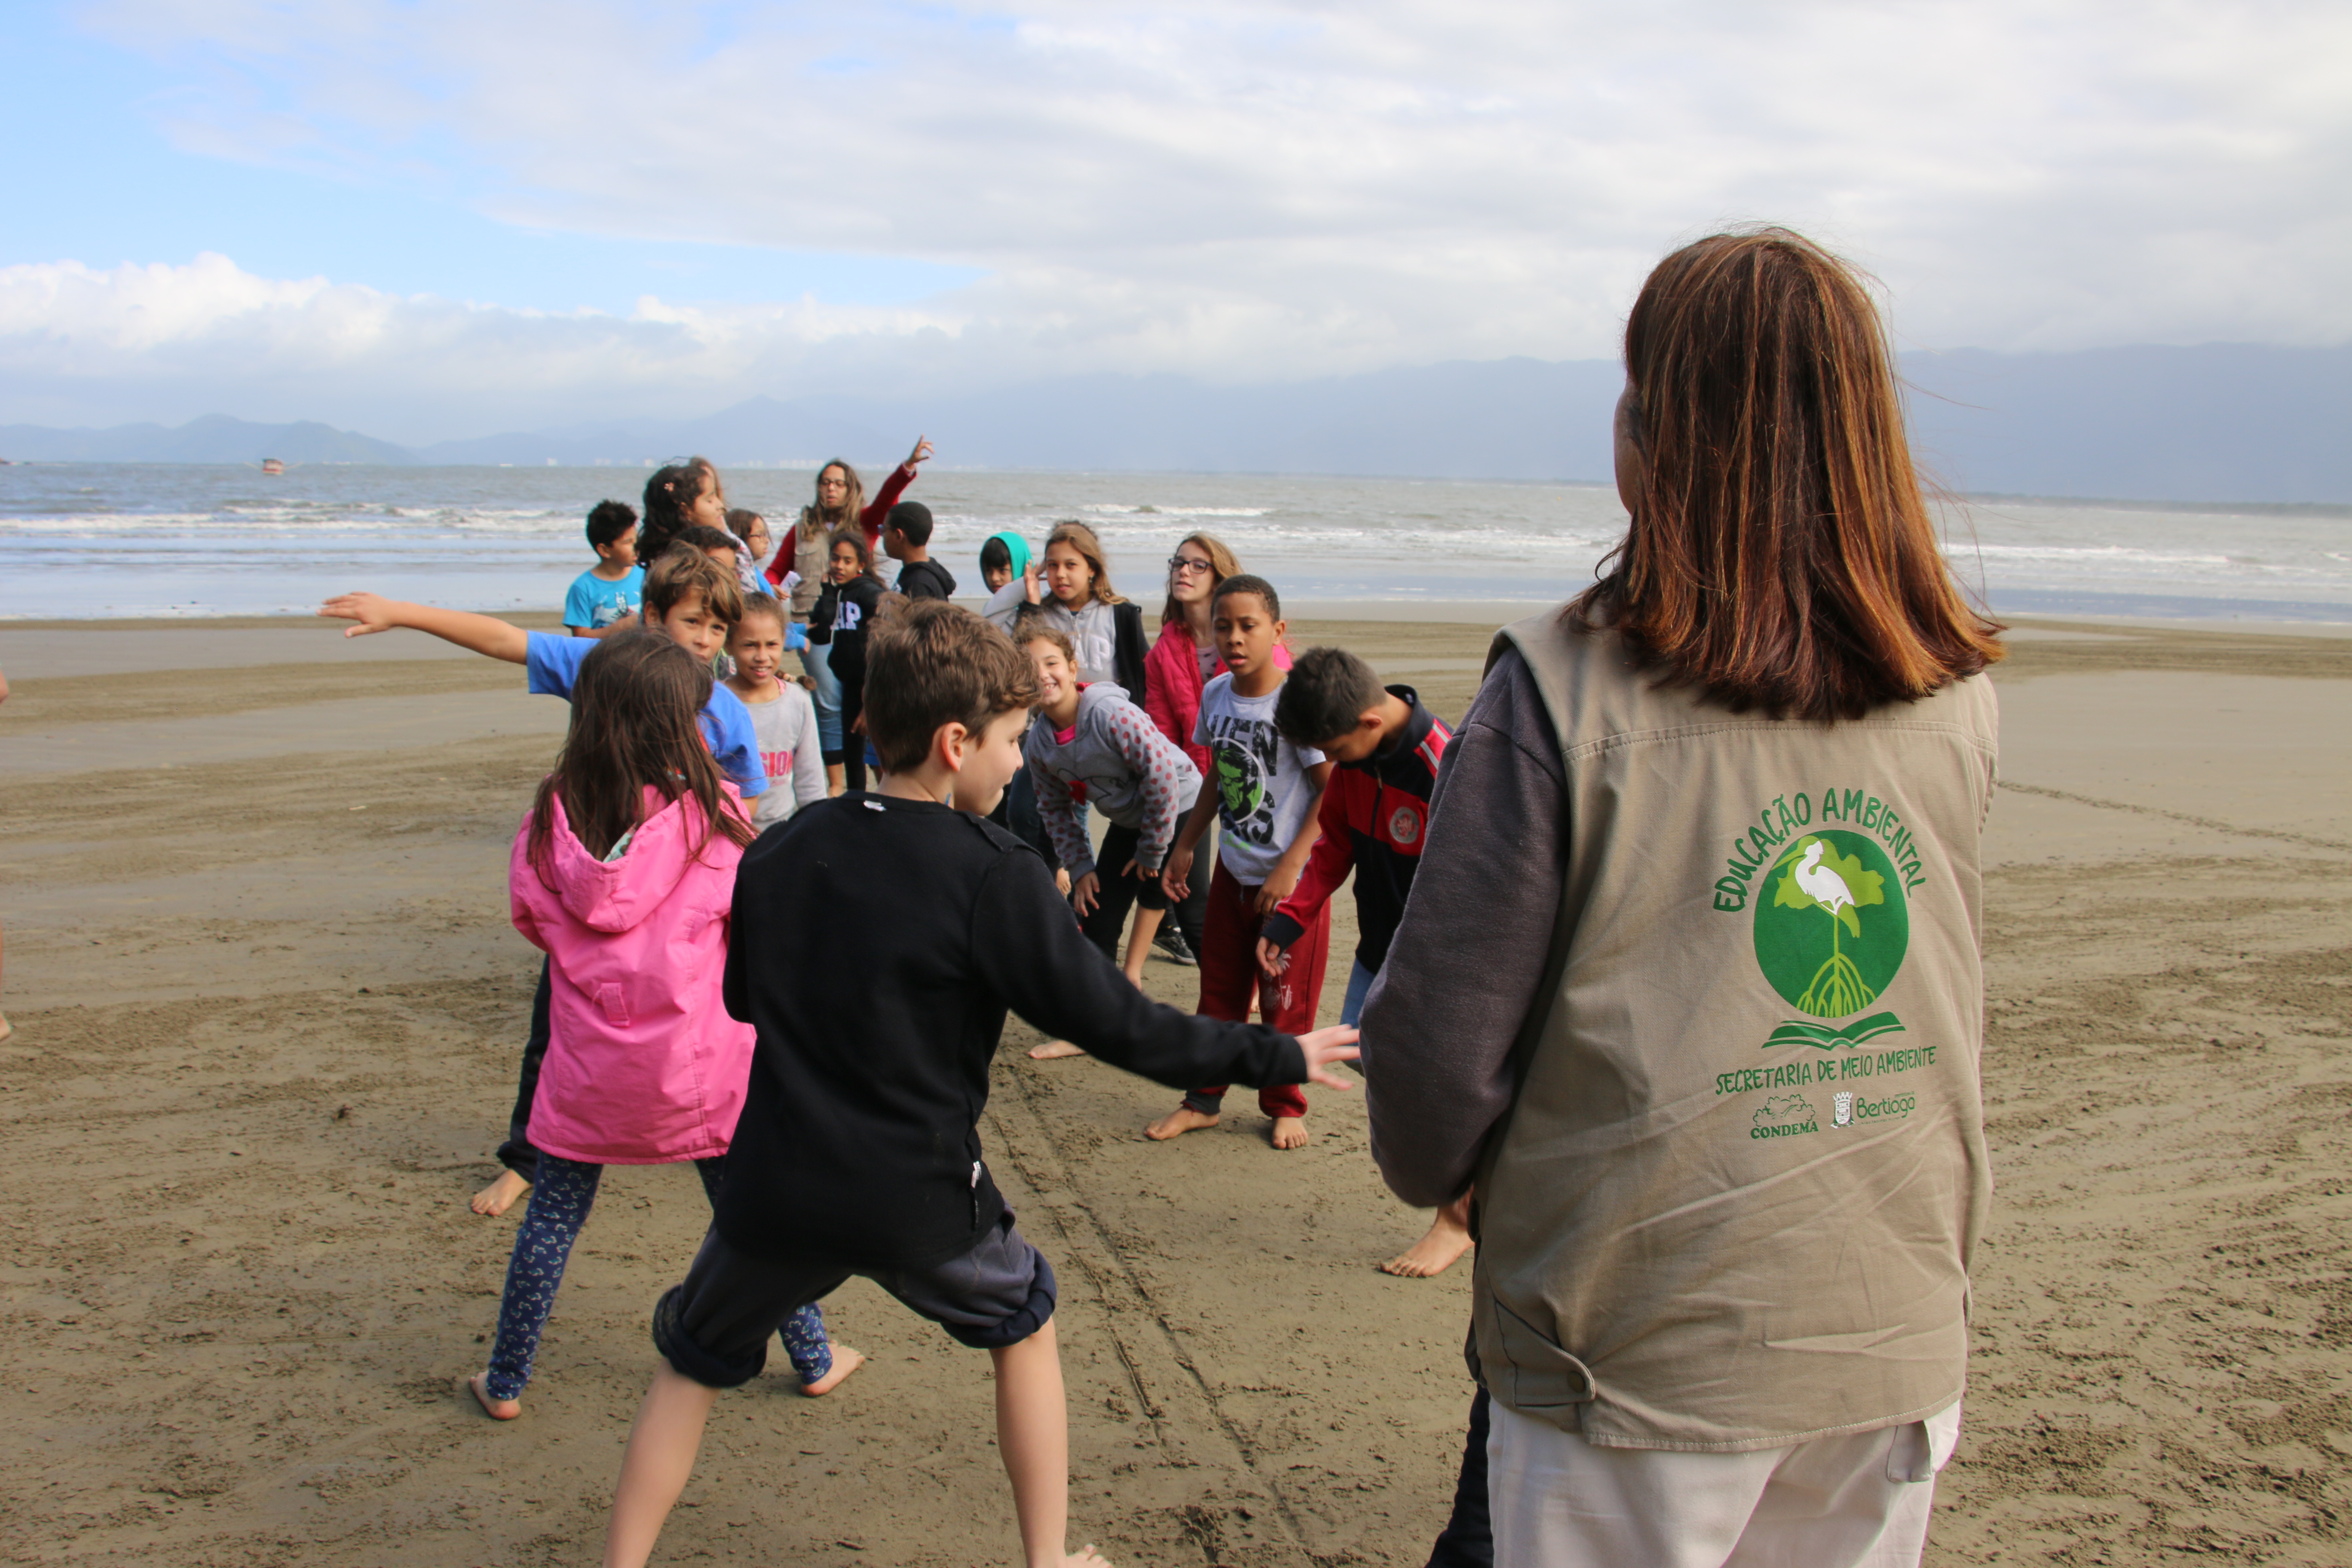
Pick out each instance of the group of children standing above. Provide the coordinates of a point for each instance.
(680, 1012)
(1694, 1346)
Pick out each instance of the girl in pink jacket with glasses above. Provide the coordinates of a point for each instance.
(623, 873)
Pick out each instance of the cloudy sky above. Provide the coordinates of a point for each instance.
(430, 218)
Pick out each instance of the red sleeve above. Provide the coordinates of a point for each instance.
(878, 511)
(1171, 692)
(1327, 864)
(1158, 700)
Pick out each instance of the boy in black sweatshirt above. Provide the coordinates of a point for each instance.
(1385, 748)
(907, 537)
(858, 1150)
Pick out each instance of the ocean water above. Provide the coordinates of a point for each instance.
(122, 539)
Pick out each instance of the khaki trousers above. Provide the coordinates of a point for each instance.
(1854, 1502)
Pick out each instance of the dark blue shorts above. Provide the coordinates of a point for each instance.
(714, 1327)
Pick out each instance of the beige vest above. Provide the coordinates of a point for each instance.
(1735, 1200)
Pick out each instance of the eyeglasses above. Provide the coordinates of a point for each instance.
(1187, 563)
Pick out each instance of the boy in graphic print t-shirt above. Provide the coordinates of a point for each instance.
(1264, 790)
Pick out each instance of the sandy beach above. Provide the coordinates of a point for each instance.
(269, 1006)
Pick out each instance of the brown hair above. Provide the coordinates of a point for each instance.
(740, 519)
(759, 605)
(634, 712)
(1780, 555)
(856, 538)
(703, 537)
(1081, 538)
(816, 520)
(681, 573)
(1036, 628)
(1222, 564)
(930, 663)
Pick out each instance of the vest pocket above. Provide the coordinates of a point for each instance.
(616, 1008)
(1543, 1375)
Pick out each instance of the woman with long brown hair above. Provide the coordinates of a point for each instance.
(840, 502)
(1689, 990)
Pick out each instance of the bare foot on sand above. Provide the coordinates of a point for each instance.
(495, 1409)
(1054, 1051)
(1086, 1557)
(845, 1362)
(1434, 1253)
(1178, 1122)
(500, 1195)
(7, 1028)
(1289, 1133)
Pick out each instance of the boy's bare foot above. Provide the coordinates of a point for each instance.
(845, 1362)
(1086, 1557)
(1434, 1253)
(1178, 1122)
(495, 1409)
(1289, 1133)
(7, 1028)
(1054, 1051)
(500, 1195)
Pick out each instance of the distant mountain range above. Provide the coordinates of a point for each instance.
(2220, 422)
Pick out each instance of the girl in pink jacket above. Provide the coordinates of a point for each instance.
(623, 873)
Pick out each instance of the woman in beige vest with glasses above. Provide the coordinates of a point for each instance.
(1689, 989)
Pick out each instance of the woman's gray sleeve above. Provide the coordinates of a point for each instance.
(1472, 948)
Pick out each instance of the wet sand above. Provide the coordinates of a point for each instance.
(269, 1006)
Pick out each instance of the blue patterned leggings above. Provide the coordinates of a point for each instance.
(561, 1197)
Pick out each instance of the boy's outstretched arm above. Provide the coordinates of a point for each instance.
(481, 634)
(1050, 975)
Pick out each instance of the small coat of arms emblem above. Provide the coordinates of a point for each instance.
(1842, 1108)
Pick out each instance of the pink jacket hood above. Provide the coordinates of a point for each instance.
(615, 896)
(644, 1065)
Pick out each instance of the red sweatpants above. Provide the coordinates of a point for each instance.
(1231, 982)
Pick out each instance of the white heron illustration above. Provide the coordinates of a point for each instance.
(1838, 987)
(1828, 888)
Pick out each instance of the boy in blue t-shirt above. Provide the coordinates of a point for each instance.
(604, 598)
(688, 599)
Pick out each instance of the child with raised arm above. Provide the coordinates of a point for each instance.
(858, 1152)
(605, 596)
(1264, 788)
(622, 873)
(690, 600)
(1384, 747)
(1092, 746)
(782, 717)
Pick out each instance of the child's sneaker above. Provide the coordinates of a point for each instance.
(1172, 947)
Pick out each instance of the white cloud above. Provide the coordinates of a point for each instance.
(80, 345)
(1261, 190)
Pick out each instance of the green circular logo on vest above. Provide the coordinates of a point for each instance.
(1831, 925)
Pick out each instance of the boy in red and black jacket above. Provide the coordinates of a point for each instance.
(1374, 815)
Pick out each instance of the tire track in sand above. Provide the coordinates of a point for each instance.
(1028, 1143)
